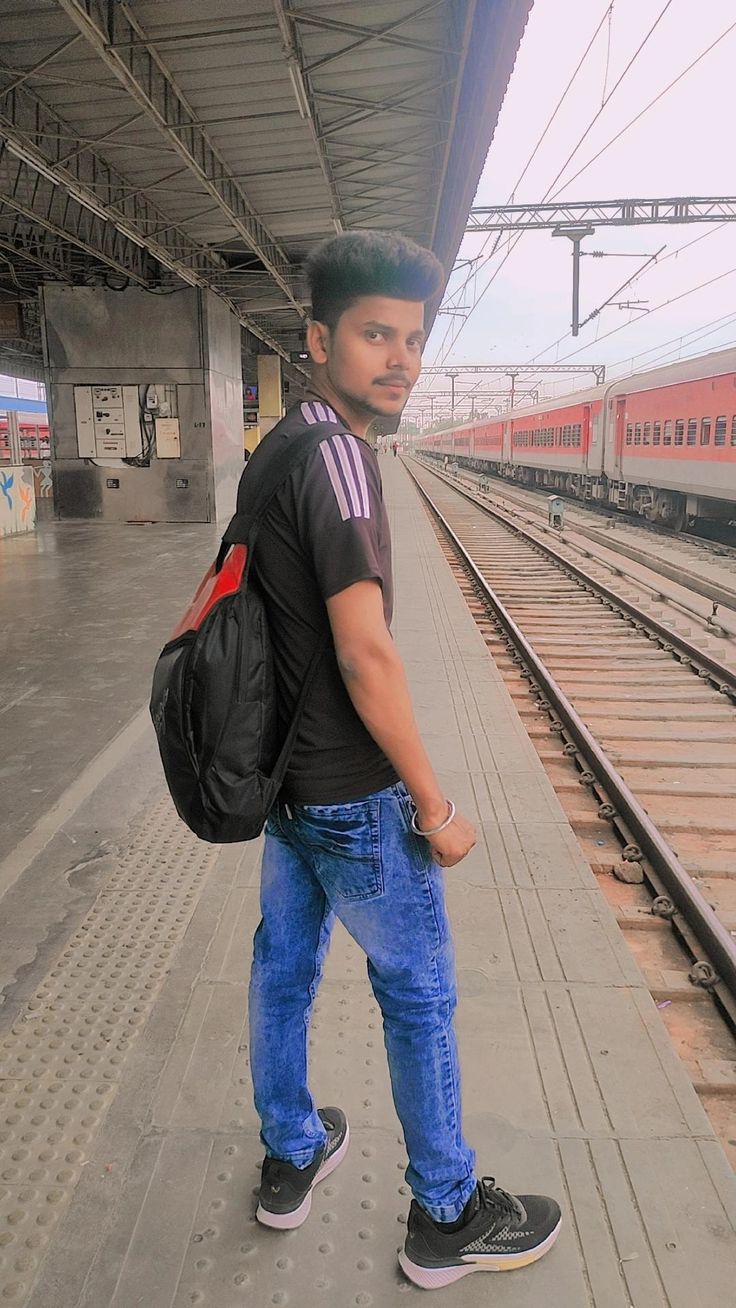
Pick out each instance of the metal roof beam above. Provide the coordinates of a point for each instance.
(28, 73)
(39, 199)
(39, 136)
(372, 34)
(42, 249)
(423, 88)
(376, 106)
(30, 187)
(304, 95)
(386, 35)
(147, 79)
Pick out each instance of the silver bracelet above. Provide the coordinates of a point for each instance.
(451, 810)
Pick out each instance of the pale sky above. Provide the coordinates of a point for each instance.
(684, 145)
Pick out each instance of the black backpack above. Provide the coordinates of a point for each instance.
(213, 702)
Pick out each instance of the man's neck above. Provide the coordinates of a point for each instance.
(358, 423)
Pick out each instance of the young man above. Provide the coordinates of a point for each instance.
(362, 828)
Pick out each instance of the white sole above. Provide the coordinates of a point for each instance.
(434, 1278)
(290, 1221)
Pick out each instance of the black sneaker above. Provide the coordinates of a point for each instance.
(502, 1232)
(285, 1196)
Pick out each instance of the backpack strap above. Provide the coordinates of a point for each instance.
(255, 492)
(254, 497)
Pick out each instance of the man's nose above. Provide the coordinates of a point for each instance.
(399, 356)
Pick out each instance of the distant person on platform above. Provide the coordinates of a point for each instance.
(362, 830)
(395, 448)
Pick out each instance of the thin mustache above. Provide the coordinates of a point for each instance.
(393, 380)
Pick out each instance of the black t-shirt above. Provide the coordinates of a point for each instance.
(326, 529)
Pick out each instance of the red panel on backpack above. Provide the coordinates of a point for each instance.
(213, 587)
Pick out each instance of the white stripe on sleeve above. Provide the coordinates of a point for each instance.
(335, 481)
(347, 470)
(354, 447)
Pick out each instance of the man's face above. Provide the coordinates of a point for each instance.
(373, 356)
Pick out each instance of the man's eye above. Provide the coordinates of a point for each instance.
(374, 335)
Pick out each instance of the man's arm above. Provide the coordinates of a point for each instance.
(373, 673)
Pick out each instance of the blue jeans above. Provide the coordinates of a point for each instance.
(362, 863)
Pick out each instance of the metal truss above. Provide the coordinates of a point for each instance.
(45, 141)
(307, 106)
(37, 198)
(517, 369)
(25, 241)
(330, 139)
(120, 42)
(17, 362)
(59, 183)
(388, 35)
(601, 213)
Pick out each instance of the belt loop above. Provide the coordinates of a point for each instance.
(288, 812)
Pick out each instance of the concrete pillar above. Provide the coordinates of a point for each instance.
(270, 404)
(181, 351)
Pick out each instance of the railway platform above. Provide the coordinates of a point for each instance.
(129, 1147)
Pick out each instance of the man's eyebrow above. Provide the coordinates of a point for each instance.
(385, 327)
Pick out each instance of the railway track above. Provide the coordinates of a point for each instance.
(637, 729)
(706, 568)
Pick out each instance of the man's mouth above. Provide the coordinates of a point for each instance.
(394, 383)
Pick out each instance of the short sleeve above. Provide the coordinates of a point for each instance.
(339, 514)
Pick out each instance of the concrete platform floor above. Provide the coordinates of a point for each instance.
(128, 1142)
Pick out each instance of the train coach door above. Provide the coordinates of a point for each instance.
(585, 439)
(619, 430)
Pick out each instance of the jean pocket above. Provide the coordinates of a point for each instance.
(344, 845)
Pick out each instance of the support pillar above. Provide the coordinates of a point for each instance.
(178, 359)
(270, 402)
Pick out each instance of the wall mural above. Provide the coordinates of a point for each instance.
(17, 501)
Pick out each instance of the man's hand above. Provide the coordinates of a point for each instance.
(451, 845)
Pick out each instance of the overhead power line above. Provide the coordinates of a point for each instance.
(665, 90)
(513, 243)
(531, 158)
(612, 91)
(646, 108)
(665, 303)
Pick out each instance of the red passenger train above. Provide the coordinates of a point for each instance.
(659, 443)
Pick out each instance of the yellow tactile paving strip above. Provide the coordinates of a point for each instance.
(63, 1057)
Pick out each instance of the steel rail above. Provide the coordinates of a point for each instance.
(696, 910)
(723, 676)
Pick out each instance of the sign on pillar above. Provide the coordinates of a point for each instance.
(270, 403)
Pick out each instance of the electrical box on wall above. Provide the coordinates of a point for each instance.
(168, 441)
(108, 422)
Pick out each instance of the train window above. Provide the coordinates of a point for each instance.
(576, 434)
(679, 431)
(667, 439)
(733, 430)
(692, 431)
(629, 433)
(705, 426)
(647, 433)
(657, 433)
(637, 433)
(720, 433)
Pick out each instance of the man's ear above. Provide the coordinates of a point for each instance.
(318, 336)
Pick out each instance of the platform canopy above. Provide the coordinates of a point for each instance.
(143, 142)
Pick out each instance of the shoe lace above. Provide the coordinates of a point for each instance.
(492, 1196)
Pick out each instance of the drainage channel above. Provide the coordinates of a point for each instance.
(651, 732)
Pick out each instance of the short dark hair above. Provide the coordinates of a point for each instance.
(345, 267)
